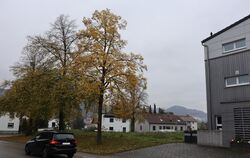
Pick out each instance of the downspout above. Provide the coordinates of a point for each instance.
(209, 84)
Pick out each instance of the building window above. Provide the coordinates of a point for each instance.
(153, 128)
(181, 128)
(237, 81)
(235, 45)
(111, 128)
(168, 127)
(123, 120)
(164, 127)
(124, 129)
(160, 127)
(140, 127)
(111, 119)
(175, 128)
(218, 122)
(10, 125)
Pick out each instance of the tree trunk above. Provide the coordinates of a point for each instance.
(99, 125)
(61, 118)
(20, 129)
(133, 124)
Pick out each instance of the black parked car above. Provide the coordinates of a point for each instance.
(52, 143)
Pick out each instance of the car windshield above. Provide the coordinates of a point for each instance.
(63, 136)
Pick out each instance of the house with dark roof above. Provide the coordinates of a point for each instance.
(227, 66)
(164, 123)
(191, 123)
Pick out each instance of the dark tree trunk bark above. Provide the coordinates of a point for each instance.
(133, 124)
(99, 125)
(61, 118)
(20, 129)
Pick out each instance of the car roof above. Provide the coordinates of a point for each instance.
(56, 132)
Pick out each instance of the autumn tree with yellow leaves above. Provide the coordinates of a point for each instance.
(102, 65)
(130, 101)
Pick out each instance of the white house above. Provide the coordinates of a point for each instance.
(191, 123)
(53, 123)
(111, 123)
(9, 125)
(166, 123)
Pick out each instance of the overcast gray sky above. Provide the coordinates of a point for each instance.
(167, 33)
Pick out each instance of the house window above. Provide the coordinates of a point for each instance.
(10, 125)
(168, 127)
(160, 127)
(164, 127)
(237, 81)
(175, 128)
(235, 45)
(153, 128)
(140, 127)
(111, 119)
(123, 120)
(111, 128)
(53, 124)
(124, 129)
(181, 128)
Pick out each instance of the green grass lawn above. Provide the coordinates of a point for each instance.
(115, 142)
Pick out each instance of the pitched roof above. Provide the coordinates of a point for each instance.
(225, 29)
(163, 119)
(187, 118)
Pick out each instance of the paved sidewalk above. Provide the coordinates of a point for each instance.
(179, 150)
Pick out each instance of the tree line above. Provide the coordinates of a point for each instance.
(63, 68)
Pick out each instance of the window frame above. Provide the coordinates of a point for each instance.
(12, 125)
(234, 46)
(237, 81)
(111, 128)
(154, 128)
(111, 120)
(124, 120)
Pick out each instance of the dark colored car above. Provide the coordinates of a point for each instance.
(51, 143)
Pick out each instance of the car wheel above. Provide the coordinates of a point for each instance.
(70, 155)
(27, 150)
(45, 154)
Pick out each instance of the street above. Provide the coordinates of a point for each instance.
(179, 150)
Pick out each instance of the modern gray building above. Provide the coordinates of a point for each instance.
(227, 64)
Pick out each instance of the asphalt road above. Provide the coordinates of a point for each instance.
(179, 150)
(15, 150)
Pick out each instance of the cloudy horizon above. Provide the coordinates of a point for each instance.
(166, 33)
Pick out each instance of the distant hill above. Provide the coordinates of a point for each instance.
(181, 110)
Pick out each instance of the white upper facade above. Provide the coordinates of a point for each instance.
(111, 123)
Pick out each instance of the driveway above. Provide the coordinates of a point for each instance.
(182, 150)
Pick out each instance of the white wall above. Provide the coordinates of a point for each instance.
(51, 122)
(210, 138)
(4, 120)
(172, 128)
(142, 126)
(117, 125)
(193, 125)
